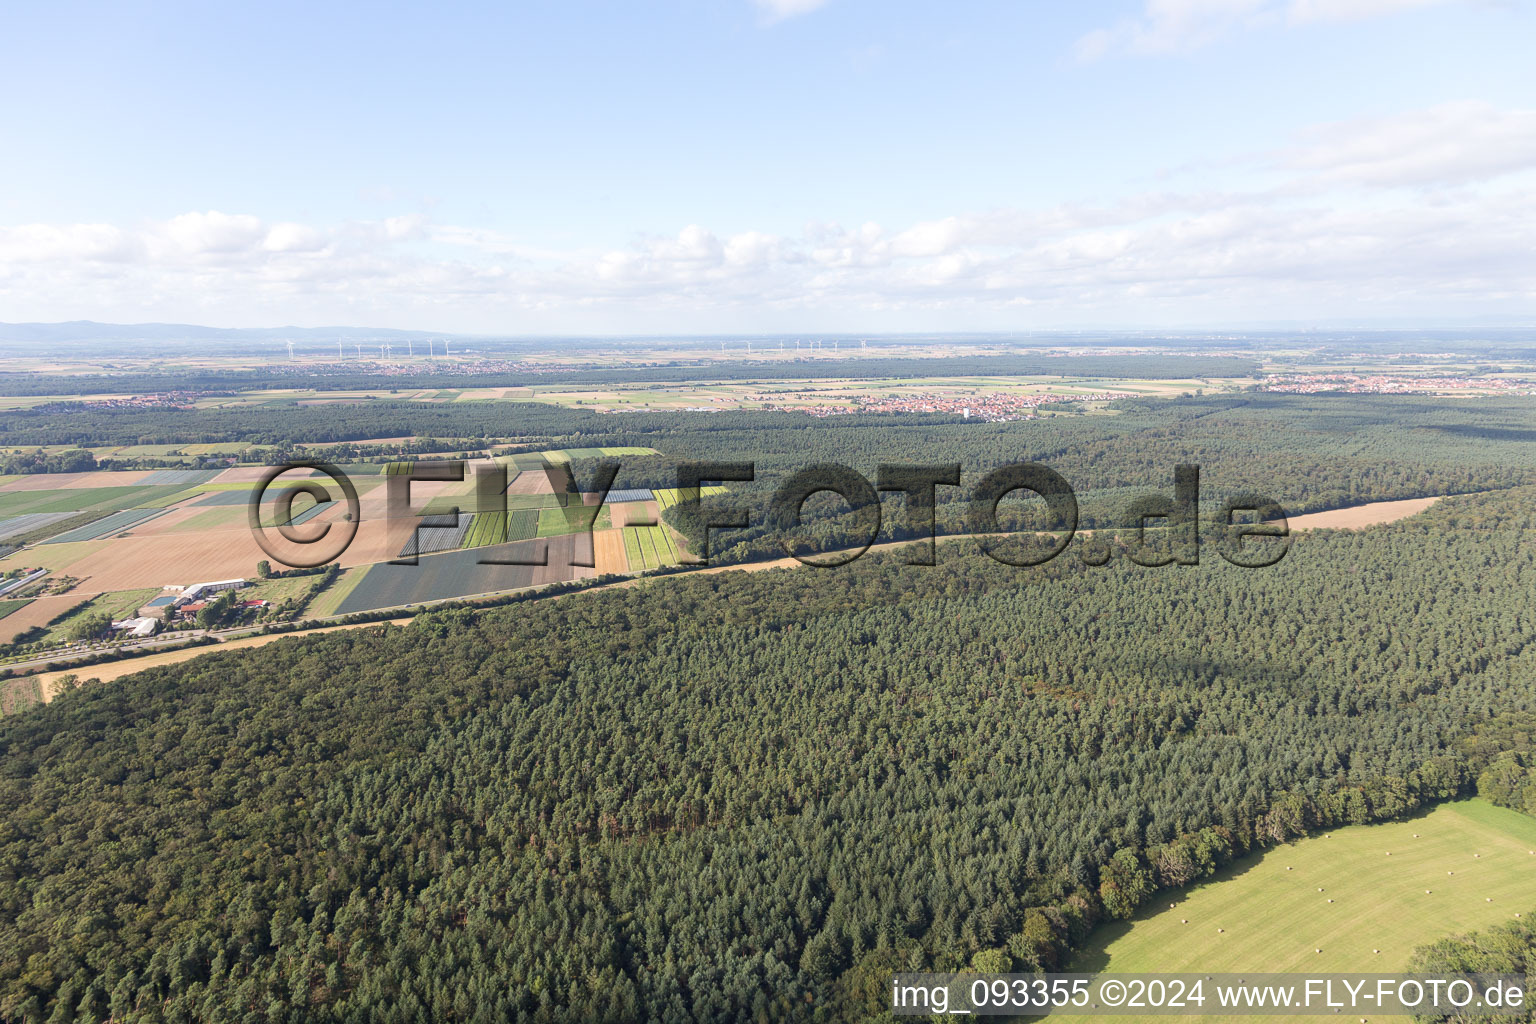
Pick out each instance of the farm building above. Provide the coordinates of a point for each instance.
(137, 627)
(199, 591)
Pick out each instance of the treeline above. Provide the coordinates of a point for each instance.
(1507, 948)
(737, 796)
(1308, 453)
(343, 377)
(277, 424)
(25, 463)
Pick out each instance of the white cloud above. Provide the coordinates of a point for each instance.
(1180, 26)
(1450, 143)
(1303, 11)
(778, 10)
(1427, 208)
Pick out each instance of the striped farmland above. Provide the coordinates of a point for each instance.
(180, 477)
(114, 523)
(426, 540)
(16, 525)
(487, 528)
(522, 524)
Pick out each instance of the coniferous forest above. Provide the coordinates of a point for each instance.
(739, 796)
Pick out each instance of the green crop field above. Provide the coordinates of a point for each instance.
(81, 499)
(666, 497)
(556, 522)
(486, 528)
(649, 547)
(666, 547)
(329, 599)
(13, 604)
(1392, 887)
(522, 524)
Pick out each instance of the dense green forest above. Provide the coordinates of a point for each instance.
(1308, 453)
(1508, 948)
(740, 796)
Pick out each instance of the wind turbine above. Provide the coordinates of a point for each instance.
(410, 348)
(445, 346)
(339, 357)
(290, 351)
(359, 348)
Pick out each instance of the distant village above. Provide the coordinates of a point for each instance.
(1378, 384)
(999, 407)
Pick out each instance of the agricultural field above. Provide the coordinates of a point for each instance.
(556, 522)
(123, 532)
(279, 590)
(432, 539)
(13, 604)
(1365, 895)
(27, 501)
(116, 523)
(329, 599)
(461, 574)
(649, 547)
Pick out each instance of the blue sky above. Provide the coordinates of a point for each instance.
(734, 165)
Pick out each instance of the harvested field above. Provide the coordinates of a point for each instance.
(636, 513)
(533, 481)
(38, 613)
(72, 481)
(1372, 514)
(56, 558)
(240, 474)
(179, 477)
(191, 518)
(609, 550)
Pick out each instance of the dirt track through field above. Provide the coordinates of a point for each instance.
(118, 669)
